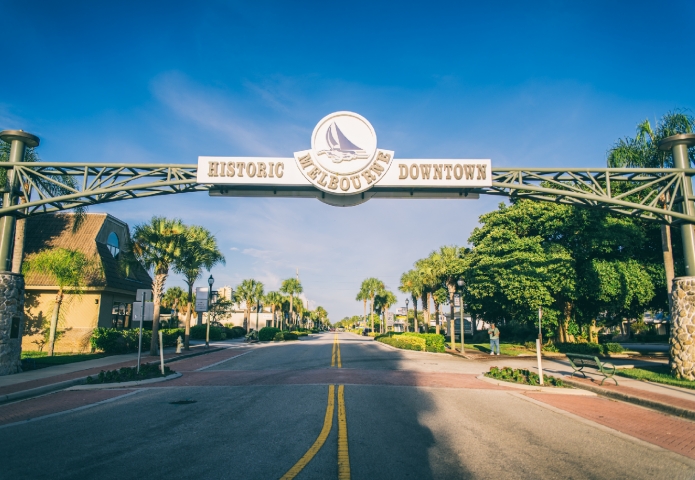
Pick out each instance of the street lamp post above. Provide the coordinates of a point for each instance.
(406, 312)
(459, 282)
(207, 332)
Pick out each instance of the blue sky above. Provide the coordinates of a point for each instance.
(526, 84)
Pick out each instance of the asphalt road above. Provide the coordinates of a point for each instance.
(239, 427)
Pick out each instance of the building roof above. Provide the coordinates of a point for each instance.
(56, 231)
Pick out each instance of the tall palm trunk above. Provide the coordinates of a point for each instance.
(54, 322)
(187, 333)
(436, 317)
(365, 311)
(414, 313)
(160, 279)
(425, 312)
(452, 293)
(291, 306)
(371, 313)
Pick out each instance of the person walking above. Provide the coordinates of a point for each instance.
(494, 333)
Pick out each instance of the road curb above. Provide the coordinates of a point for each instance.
(134, 383)
(54, 387)
(643, 402)
(536, 389)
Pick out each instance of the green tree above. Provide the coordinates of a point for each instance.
(450, 265)
(321, 316)
(431, 282)
(174, 298)
(643, 152)
(197, 251)
(291, 287)
(372, 287)
(249, 291)
(70, 269)
(50, 184)
(363, 296)
(274, 300)
(157, 245)
(384, 300)
(412, 283)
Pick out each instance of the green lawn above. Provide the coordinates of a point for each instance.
(511, 349)
(33, 359)
(657, 374)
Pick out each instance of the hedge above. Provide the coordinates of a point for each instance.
(589, 348)
(114, 341)
(406, 343)
(433, 342)
(234, 332)
(198, 332)
(267, 334)
(424, 342)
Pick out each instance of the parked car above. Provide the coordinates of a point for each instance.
(366, 332)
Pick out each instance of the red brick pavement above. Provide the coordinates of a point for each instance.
(666, 431)
(54, 403)
(20, 387)
(328, 376)
(640, 393)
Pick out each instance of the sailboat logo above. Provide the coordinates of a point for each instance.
(340, 148)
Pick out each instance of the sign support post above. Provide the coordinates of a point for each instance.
(142, 295)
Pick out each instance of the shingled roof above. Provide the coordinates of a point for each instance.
(56, 231)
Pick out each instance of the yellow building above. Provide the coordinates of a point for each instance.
(108, 296)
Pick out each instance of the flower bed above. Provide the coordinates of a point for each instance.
(522, 376)
(129, 374)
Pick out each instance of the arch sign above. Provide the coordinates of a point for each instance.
(344, 167)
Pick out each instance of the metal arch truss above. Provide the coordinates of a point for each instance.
(648, 193)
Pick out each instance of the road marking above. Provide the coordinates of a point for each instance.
(343, 456)
(222, 361)
(337, 344)
(327, 426)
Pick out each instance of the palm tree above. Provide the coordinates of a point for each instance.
(430, 282)
(321, 314)
(643, 152)
(197, 251)
(362, 296)
(274, 301)
(450, 265)
(70, 269)
(384, 300)
(173, 299)
(47, 185)
(291, 286)
(249, 291)
(412, 283)
(157, 245)
(372, 287)
(260, 299)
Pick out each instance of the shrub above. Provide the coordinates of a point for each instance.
(300, 333)
(267, 334)
(198, 332)
(523, 376)
(234, 332)
(406, 343)
(290, 336)
(114, 341)
(279, 337)
(128, 374)
(433, 342)
(589, 348)
(169, 335)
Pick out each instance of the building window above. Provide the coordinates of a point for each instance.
(112, 243)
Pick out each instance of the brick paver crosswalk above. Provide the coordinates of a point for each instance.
(672, 433)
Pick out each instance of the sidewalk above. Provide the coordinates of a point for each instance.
(665, 398)
(45, 380)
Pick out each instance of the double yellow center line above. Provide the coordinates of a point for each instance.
(343, 455)
(335, 358)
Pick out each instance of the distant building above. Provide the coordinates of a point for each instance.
(108, 296)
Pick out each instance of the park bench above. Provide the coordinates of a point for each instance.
(579, 361)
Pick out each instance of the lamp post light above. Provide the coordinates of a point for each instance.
(207, 330)
(459, 282)
(407, 323)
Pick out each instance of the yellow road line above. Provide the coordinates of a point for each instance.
(327, 426)
(337, 344)
(343, 456)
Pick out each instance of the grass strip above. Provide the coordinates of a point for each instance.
(656, 374)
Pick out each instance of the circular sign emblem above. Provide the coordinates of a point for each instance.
(344, 158)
